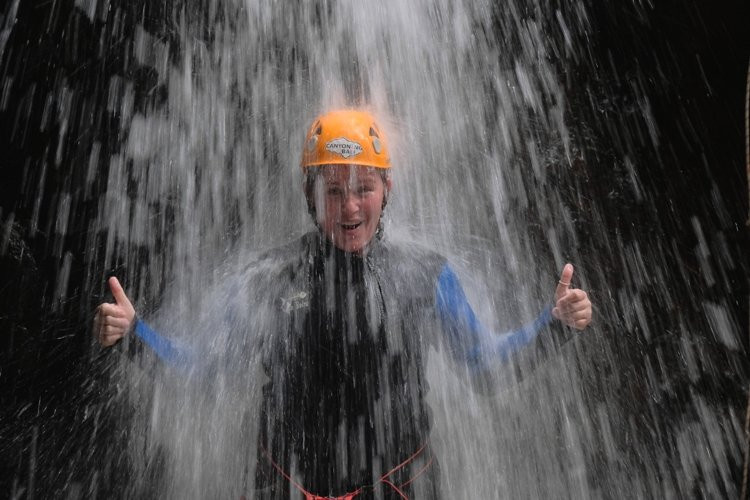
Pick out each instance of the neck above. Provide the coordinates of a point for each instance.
(329, 246)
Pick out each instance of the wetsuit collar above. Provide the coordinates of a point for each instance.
(328, 249)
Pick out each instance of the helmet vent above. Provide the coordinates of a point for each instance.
(319, 130)
(373, 133)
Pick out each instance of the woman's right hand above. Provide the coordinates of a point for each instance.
(113, 321)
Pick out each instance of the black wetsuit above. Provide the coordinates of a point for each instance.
(345, 403)
(346, 358)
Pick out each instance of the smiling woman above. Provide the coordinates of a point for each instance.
(349, 202)
(346, 166)
(341, 321)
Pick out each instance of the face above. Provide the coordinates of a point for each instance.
(348, 203)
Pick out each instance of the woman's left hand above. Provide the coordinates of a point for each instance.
(572, 306)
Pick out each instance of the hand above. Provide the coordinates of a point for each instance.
(113, 321)
(572, 306)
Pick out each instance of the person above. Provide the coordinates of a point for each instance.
(343, 414)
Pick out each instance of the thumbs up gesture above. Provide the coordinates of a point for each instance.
(112, 321)
(572, 306)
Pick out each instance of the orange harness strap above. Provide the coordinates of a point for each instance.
(350, 496)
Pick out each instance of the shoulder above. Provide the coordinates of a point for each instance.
(263, 276)
(272, 261)
(255, 274)
(409, 250)
(283, 252)
(412, 260)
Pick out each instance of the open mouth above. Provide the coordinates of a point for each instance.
(351, 227)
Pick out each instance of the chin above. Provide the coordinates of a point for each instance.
(350, 245)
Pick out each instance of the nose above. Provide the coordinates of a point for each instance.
(350, 203)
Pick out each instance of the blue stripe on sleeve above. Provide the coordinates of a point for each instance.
(163, 347)
(467, 339)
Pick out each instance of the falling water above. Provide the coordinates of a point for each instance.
(488, 171)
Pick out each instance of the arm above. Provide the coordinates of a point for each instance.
(165, 349)
(480, 349)
(112, 322)
(467, 339)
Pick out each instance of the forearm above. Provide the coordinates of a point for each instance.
(493, 349)
(481, 350)
(143, 340)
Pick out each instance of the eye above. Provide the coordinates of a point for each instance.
(334, 191)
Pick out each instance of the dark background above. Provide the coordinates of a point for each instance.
(687, 59)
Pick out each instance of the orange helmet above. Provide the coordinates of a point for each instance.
(345, 137)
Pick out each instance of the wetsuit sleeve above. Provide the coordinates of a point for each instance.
(144, 338)
(218, 322)
(467, 339)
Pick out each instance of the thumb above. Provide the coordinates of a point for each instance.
(118, 293)
(564, 283)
